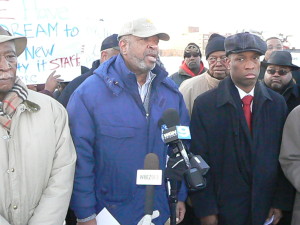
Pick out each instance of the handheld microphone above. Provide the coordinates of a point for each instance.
(151, 163)
(195, 167)
(174, 133)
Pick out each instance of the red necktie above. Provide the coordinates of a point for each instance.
(247, 111)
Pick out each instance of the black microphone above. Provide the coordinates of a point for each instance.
(151, 163)
(195, 167)
(173, 133)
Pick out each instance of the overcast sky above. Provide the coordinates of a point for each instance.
(271, 16)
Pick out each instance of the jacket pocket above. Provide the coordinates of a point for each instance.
(117, 143)
(118, 163)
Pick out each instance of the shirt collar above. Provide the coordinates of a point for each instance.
(243, 93)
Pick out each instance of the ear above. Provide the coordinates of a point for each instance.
(123, 46)
(228, 62)
(103, 56)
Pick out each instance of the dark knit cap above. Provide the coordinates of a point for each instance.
(215, 43)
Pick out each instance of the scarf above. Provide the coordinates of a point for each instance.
(188, 71)
(11, 101)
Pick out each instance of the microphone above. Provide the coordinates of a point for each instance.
(195, 167)
(151, 163)
(173, 133)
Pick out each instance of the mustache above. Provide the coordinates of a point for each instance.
(152, 53)
(6, 76)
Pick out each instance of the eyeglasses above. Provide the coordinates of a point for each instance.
(280, 72)
(213, 60)
(189, 55)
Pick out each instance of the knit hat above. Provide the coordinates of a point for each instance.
(215, 43)
(192, 48)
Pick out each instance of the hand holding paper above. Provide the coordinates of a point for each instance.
(147, 219)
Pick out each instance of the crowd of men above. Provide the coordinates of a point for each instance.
(80, 158)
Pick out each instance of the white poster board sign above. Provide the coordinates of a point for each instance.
(58, 37)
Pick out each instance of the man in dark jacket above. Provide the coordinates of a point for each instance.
(109, 48)
(278, 77)
(192, 64)
(237, 129)
(275, 44)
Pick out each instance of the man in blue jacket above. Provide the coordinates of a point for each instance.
(114, 123)
(237, 129)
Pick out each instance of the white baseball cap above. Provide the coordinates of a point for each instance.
(142, 27)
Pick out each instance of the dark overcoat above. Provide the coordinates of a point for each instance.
(245, 179)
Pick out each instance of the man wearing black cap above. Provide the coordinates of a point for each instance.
(278, 77)
(109, 48)
(275, 44)
(218, 63)
(191, 65)
(237, 129)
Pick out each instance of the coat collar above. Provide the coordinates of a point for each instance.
(212, 82)
(291, 89)
(117, 76)
(226, 87)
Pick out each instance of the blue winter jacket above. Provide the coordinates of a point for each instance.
(112, 135)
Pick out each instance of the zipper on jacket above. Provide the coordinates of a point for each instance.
(146, 102)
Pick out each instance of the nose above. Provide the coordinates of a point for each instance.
(152, 46)
(218, 62)
(249, 64)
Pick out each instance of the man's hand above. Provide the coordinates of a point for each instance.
(52, 82)
(209, 220)
(277, 215)
(90, 222)
(147, 219)
(180, 211)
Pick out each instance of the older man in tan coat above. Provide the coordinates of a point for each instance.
(37, 155)
(218, 70)
(290, 157)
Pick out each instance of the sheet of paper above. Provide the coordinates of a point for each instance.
(269, 221)
(104, 218)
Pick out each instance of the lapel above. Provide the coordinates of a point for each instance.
(261, 95)
(229, 94)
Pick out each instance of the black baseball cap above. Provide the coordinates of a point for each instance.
(110, 42)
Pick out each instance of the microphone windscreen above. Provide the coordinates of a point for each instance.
(171, 117)
(151, 163)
